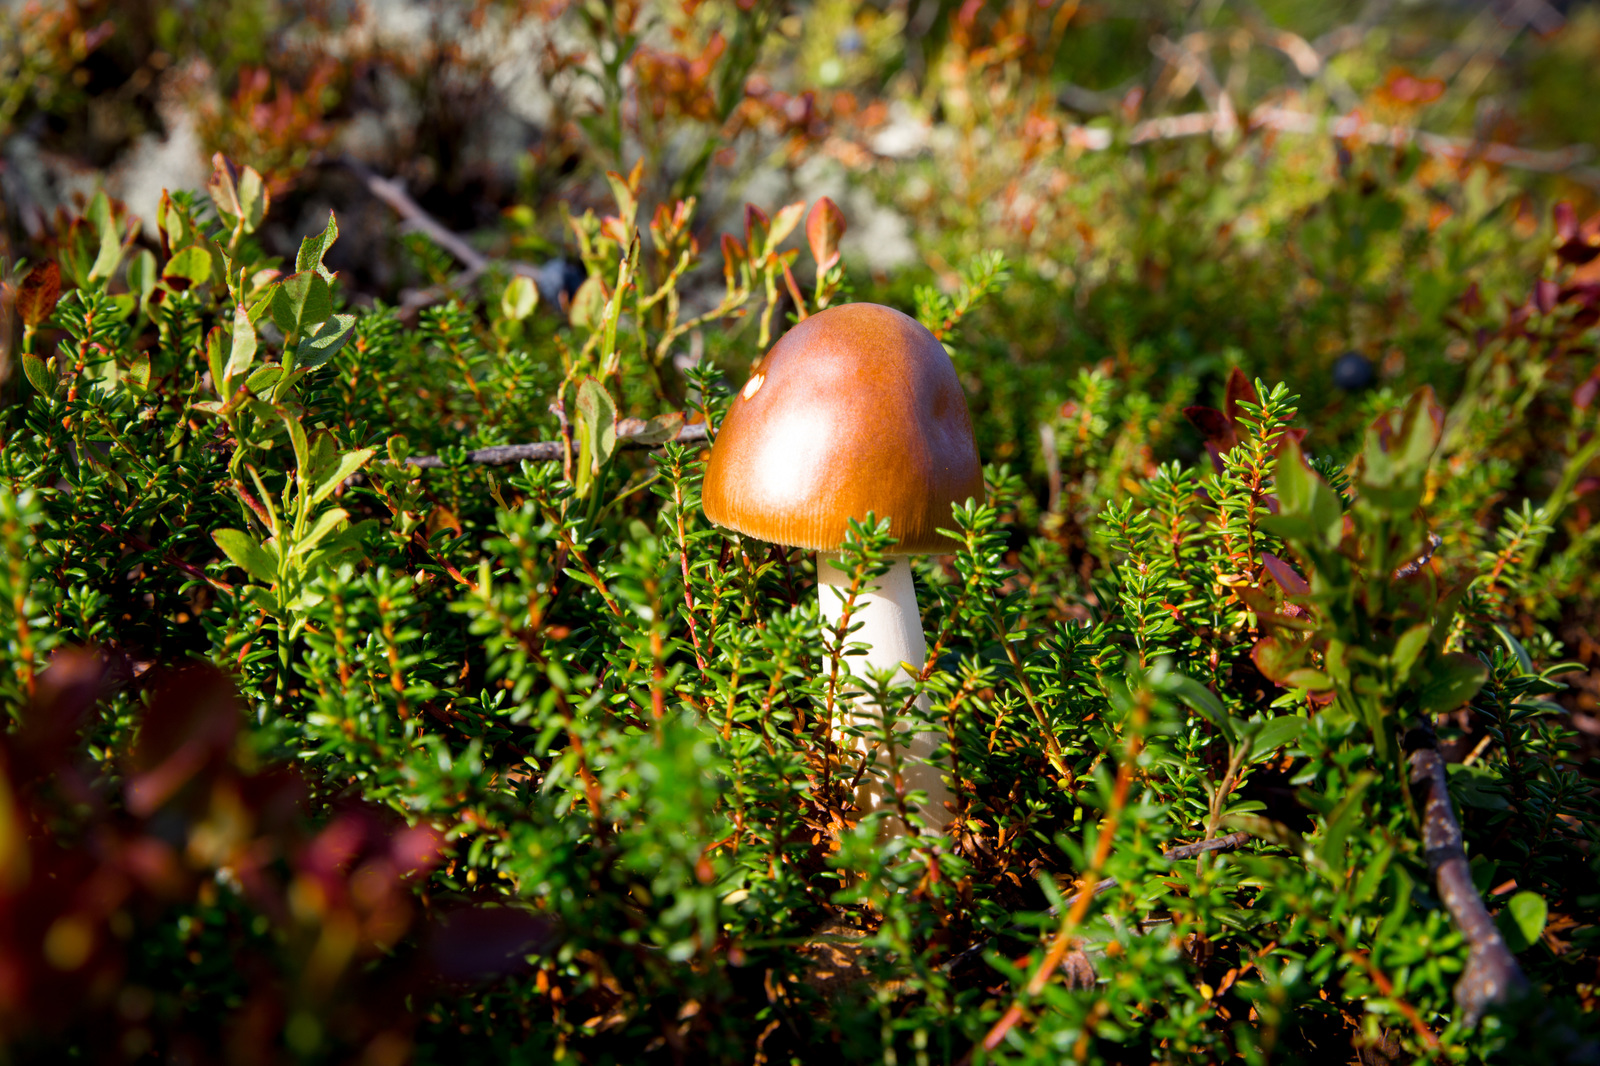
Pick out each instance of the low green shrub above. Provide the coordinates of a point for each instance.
(318, 751)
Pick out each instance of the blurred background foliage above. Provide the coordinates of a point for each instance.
(457, 780)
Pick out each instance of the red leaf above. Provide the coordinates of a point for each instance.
(1584, 395)
(733, 254)
(1213, 425)
(1577, 251)
(824, 226)
(191, 724)
(1239, 388)
(1545, 293)
(1566, 221)
(1274, 659)
(794, 292)
(38, 294)
(1287, 577)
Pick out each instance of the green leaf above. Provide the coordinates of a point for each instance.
(519, 299)
(1514, 646)
(138, 373)
(783, 224)
(191, 265)
(1276, 733)
(142, 275)
(327, 523)
(660, 429)
(1342, 822)
(323, 342)
(1523, 920)
(1203, 700)
(174, 223)
(261, 598)
(627, 203)
(101, 218)
(1304, 496)
(1308, 679)
(348, 538)
(1408, 647)
(322, 456)
(247, 555)
(1477, 787)
(254, 199)
(300, 301)
(588, 304)
(1454, 680)
(349, 463)
(1371, 874)
(263, 378)
(243, 351)
(217, 360)
(39, 375)
(597, 432)
(312, 249)
(297, 439)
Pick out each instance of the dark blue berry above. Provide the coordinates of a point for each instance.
(1353, 372)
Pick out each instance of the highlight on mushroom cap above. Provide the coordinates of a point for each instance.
(857, 409)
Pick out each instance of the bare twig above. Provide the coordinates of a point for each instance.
(392, 192)
(1189, 56)
(1457, 148)
(1568, 161)
(631, 433)
(1492, 974)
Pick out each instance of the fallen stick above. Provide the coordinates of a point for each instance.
(1492, 975)
(631, 433)
(550, 277)
(1352, 126)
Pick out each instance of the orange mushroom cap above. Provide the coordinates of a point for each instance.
(856, 409)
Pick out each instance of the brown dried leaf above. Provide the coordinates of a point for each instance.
(37, 296)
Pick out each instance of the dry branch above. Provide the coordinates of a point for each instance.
(631, 433)
(1568, 160)
(1492, 974)
(393, 193)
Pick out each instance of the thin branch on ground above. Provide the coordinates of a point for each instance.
(631, 433)
(1492, 974)
(393, 193)
(1568, 161)
(1189, 56)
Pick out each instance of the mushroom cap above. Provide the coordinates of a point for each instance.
(856, 409)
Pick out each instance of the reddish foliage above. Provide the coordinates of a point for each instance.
(82, 868)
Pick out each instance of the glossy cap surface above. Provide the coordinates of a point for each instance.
(856, 409)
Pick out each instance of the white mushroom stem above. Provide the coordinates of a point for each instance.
(891, 629)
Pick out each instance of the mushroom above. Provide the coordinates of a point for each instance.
(856, 409)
